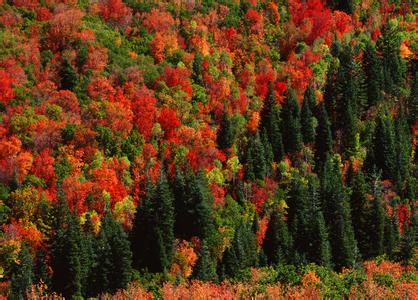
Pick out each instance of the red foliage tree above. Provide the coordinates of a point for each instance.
(144, 113)
(169, 122)
(115, 12)
(6, 89)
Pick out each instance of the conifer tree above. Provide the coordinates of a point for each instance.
(67, 254)
(268, 151)
(323, 141)
(393, 65)
(193, 205)
(22, 275)
(337, 214)
(391, 233)
(41, 268)
(360, 212)
(408, 242)
(373, 70)
(197, 68)
(256, 163)
(225, 136)
(205, 268)
(376, 224)
(384, 146)
(243, 251)
(153, 237)
(270, 122)
(277, 242)
(292, 137)
(68, 76)
(308, 121)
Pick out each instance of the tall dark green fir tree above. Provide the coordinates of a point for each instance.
(256, 162)
(337, 214)
(291, 127)
(374, 74)
(68, 76)
(308, 121)
(270, 122)
(323, 141)
(22, 275)
(225, 135)
(205, 268)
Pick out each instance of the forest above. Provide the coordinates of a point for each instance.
(203, 149)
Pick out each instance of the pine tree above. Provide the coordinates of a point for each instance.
(412, 104)
(256, 163)
(323, 141)
(376, 224)
(270, 122)
(373, 71)
(308, 122)
(337, 214)
(268, 152)
(384, 146)
(41, 272)
(403, 142)
(292, 137)
(307, 224)
(277, 242)
(193, 205)
(243, 251)
(68, 76)
(197, 69)
(205, 269)
(391, 233)
(393, 65)
(22, 275)
(225, 137)
(408, 242)
(360, 212)
(153, 237)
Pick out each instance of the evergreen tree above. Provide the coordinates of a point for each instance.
(270, 122)
(377, 220)
(347, 6)
(391, 233)
(66, 250)
(373, 71)
(337, 214)
(393, 65)
(193, 205)
(22, 275)
(197, 69)
(403, 142)
(225, 137)
(412, 104)
(384, 146)
(41, 273)
(256, 163)
(330, 95)
(243, 251)
(292, 138)
(307, 225)
(323, 141)
(277, 242)
(153, 237)
(408, 242)
(68, 76)
(268, 152)
(205, 268)
(308, 122)
(360, 212)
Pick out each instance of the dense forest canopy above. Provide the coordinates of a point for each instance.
(221, 149)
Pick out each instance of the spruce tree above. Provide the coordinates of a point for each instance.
(337, 214)
(308, 122)
(268, 152)
(193, 205)
(376, 224)
(393, 65)
(373, 70)
(68, 76)
(270, 122)
(360, 212)
(292, 137)
(225, 136)
(256, 163)
(22, 274)
(243, 250)
(153, 237)
(392, 233)
(277, 242)
(197, 68)
(323, 141)
(205, 269)
(408, 242)
(384, 146)
(41, 268)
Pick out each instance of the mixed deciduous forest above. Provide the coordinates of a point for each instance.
(202, 149)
